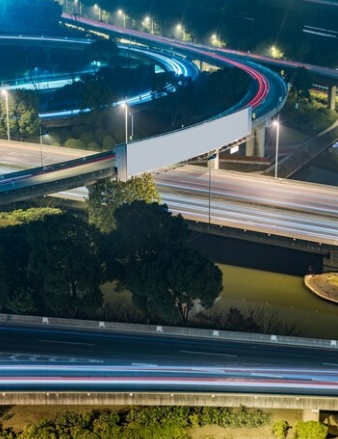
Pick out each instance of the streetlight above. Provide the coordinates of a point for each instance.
(276, 123)
(5, 93)
(182, 29)
(98, 10)
(131, 127)
(41, 134)
(150, 20)
(77, 7)
(125, 105)
(211, 157)
(124, 17)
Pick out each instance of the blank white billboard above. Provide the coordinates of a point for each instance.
(179, 146)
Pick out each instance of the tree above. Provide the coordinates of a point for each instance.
(24, 119)
(16, 292)
(280, 429)
(302, 81)
(143, 230)
(107, 195)
(65, 261)
(311, 430)
(103, 51)
(172, 283)
(163, 274)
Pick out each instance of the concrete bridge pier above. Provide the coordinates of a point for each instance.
(332, 93)
(255, 146)
(213, 159)
(330, 262)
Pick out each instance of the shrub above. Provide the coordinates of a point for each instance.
(311, 430)
(280, 429)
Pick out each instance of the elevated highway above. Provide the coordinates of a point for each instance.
(58, 361)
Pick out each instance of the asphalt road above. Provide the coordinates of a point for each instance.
(47, 359)
(251, 202)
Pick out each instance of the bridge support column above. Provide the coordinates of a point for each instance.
(330, 263)
(310, 415)
(213, 160)
(255, 146)
(332, 92)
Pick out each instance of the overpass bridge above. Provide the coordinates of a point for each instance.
(304, 377)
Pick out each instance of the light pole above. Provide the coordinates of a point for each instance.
(181, 28)
(125, 105)
(211, 157)
(276, 123)
(120, 12)
(98, 10)
(131, 127)
(5, 93)
(77, 7)
(150, 20)
(41, 144)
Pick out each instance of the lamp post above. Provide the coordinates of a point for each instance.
(77, 7)
(276, 123)
(98, 10)
(181, 28)
(120, 12)
(151, 21)
(41, 133)
(211, 157)
(125, 105)
(131, 127)
(5, 93)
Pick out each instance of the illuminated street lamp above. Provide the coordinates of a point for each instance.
(123, 15)
(41, 134)
(276, 124)
(211, 157)
(151, 21)
(77, 7)
(5, 93)
(98, 10)
(131, 127)
(125, 105)
(181, 28)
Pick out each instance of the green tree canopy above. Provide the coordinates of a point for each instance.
(65, 260)
(311, 430)
(23, 112)
(164, 275)
(171, 284)
(107, 195)
(302, 81)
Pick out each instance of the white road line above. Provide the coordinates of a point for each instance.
(208, 353)
(66, 342)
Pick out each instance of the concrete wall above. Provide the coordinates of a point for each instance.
(310, 405)
(166, 330)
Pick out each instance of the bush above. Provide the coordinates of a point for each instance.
(280, 429)
(74, 143)
(311, 430)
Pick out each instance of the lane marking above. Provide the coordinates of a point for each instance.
(66, 342)
(208, 353)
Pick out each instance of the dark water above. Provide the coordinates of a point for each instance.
(246, 254)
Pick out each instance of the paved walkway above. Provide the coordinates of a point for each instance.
(323, 285)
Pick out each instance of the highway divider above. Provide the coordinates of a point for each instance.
(160, 331)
